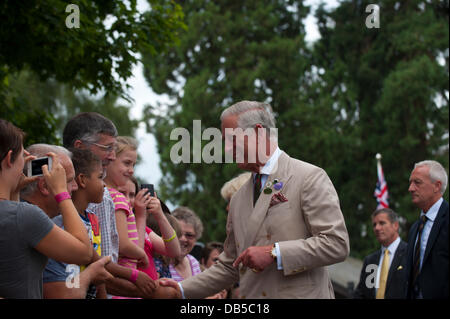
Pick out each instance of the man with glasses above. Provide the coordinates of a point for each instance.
(93, 131)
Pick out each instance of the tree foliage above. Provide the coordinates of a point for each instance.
(42, 108)
(99, 55)
(49, 72)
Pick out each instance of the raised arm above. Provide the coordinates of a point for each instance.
(73, 244)
(168, 245)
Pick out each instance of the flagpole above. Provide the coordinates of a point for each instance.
(378, 157)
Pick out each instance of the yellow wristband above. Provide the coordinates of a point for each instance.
(171, 238)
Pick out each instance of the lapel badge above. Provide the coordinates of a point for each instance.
(267, 190)
(278, 185)
(400, 267)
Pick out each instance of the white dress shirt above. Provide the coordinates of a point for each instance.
(392, 248)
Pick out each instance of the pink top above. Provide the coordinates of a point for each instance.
(148, 247)
(195, 267)
(122, 203)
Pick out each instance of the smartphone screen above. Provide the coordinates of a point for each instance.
(150, 188)
(36, 166)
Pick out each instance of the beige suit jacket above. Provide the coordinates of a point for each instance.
(309, 228)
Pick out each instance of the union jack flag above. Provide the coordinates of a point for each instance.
(381, 191)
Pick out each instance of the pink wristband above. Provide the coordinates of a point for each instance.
(62, 196)
(134, 275)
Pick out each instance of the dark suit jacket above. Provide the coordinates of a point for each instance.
(395, 285)
(433, 277)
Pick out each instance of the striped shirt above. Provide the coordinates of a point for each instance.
(122, 203)
(195, 267)
(107, 220)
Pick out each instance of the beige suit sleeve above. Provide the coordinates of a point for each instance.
(328, 242)
(218, 277)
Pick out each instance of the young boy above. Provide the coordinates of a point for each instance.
(73, 281)
(89, 175)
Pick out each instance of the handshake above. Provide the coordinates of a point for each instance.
(166, 288)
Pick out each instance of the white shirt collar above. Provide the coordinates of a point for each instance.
(392, 247)
(270, 164)
(433, 211)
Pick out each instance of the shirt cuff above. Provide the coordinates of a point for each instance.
(182, 291)
(278, 253)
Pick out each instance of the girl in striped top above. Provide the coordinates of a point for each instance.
(131, 228)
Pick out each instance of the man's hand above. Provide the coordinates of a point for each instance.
(256, 258)
(98, 272)
(167, 282)
(220, 295)
(146, 285)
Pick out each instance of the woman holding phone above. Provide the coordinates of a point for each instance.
(27, 235)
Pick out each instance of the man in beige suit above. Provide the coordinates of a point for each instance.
(284, 225)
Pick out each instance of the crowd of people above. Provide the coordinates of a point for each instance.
(84, 228)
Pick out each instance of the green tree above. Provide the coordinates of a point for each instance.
(99, 55)
(385, 90)
(232, 50)
(71, 63)
(42, 108)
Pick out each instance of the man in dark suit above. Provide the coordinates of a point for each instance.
(427, 257)
(383, 275)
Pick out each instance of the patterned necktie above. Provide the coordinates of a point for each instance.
(416, 263)
(383, 276)
(256, 188)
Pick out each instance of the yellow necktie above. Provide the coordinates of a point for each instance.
(383, 275)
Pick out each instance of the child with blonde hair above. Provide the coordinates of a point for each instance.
(131, 246)
(131, 225)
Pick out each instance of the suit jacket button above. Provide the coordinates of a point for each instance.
(269, 236)
(264, 294)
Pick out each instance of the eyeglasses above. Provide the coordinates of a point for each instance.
(188, 236)
(106, 148)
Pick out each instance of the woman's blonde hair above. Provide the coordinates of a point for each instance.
(124, 143)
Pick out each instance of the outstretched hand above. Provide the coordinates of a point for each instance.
(172, 288)
(256, 258)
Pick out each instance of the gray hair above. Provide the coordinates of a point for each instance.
(86, 127)
(392, 216)
(189, 217)
(251, 113)
(437, 173)
(41, 150)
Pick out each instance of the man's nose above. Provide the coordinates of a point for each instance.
(112, 156)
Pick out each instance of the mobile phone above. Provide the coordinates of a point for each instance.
(34, 167)
(150, 188)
